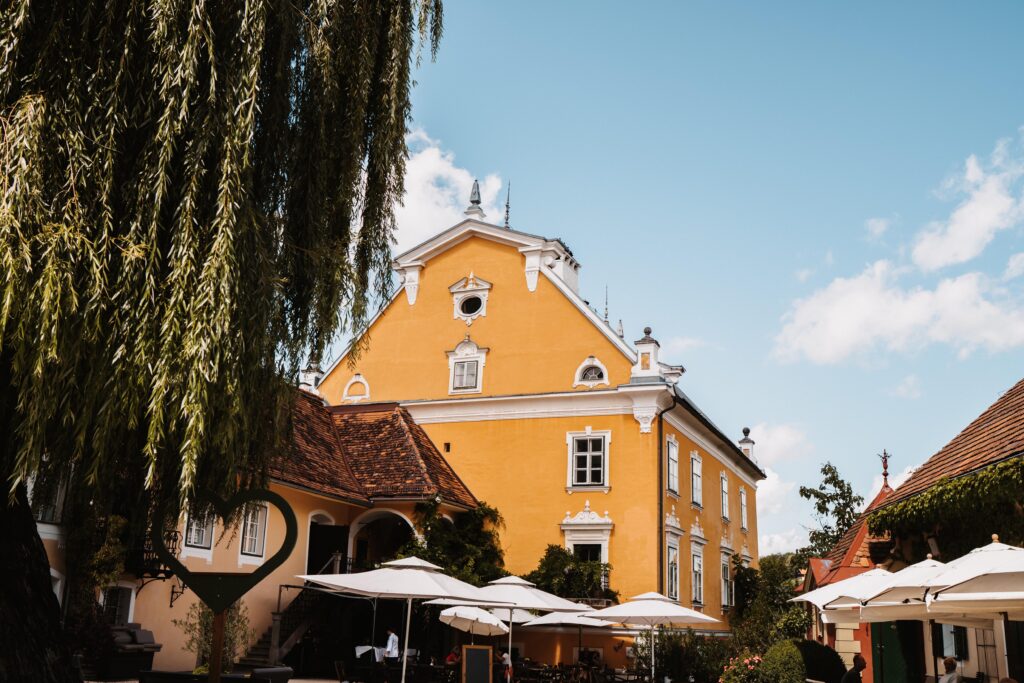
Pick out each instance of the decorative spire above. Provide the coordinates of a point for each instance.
(884, 457)
(606, 304)
(474, 202)
(508, 199)
(619, 331)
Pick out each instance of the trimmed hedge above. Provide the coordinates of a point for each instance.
(822, 662)
(783, 663)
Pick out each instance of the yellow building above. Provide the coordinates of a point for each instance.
(578, 437)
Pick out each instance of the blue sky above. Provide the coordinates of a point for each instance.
(816, 206)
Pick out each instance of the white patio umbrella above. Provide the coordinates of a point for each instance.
(410, 578)
(577, 619)
(473, 620)
(987, 579)
(513, 592)
(519, 616)
(652, 609)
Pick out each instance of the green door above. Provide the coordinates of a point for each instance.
(897, 652)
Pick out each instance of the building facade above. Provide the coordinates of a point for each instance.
(578, 437)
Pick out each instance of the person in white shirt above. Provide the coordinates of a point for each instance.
(391, 650)
(951, 675)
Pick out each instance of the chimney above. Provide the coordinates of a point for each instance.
(747, 444)
(310, 378)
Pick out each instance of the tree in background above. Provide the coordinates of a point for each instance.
(193, 197)
(835, 508)
(763, 613)
(466, 546)
(561, 572)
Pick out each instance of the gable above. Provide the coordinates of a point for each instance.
(535, 340)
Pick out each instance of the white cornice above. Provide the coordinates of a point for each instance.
(690, 431)
(462, 231)
(567, 404)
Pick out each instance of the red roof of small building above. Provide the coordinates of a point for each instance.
(995, 435)
(850, 555)
(363, 453)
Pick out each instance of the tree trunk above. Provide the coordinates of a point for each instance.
(32, 644)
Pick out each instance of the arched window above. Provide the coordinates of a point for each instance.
(590, 373)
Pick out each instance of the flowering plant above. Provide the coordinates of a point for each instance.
(743, 668)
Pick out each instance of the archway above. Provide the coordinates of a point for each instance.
(376, 535)
(325, 539)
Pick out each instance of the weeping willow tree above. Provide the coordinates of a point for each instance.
(193, 196)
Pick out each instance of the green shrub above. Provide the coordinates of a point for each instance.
(682, 654)
(783, 663)
(822, 662)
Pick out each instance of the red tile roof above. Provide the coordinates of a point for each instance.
(392, 457)
(364, 453)
(850, 555)
(996, 434)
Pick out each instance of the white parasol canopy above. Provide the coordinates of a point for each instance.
(988, 578)
(519, 616)
(819, 597)
(652, 609)
(473, 620)
(577, 619)
(410, 578)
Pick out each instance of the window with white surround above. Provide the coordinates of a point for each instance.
(469, 298)
(673, 572)
(588, 459)
(118, 603)
(743, 508)
(466, 368)
(199, 531)
(590, 373)
(697, 557)
(254, 533)
(725, 497)
(696, 479)
(728, 587)
(672, 448)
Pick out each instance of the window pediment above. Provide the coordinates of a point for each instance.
(469, 298)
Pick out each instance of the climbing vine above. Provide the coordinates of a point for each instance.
(962, 512)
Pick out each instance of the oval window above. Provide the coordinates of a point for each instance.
(470, 305)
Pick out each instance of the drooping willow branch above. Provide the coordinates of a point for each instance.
(193, 195)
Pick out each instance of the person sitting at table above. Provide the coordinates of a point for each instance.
(453, 656)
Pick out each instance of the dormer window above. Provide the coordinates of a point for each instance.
(357, 389)
(466, 368)
(590, 373)
(469, 298)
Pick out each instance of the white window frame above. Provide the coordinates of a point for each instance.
(590, 362)
(570, 442)
(697, 573)
(743, 508)
(696, 479)
(261, 512)
(672, 571)
(672, 464)
(132, 587)
(466, 288)
(728, 585)
(190, 550)
(466, 351)
(356, 379)
(724, 479)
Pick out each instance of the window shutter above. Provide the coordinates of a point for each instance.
(938, 647)
(960, 643)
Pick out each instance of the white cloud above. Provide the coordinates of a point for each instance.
(990, 205)
(773, 493)
(437, 192)
(876, 227)
(784, 542)
(1014, 267)
(855, 315)
(895, 480)
(774, 443)
(677, 345)
(804, 274)
(829, 258)
(909, 387)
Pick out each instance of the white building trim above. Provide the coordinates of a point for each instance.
(570, 438)
(356, 379)
(587, 527)
(467, 351)
(690, 432)
(590, 361)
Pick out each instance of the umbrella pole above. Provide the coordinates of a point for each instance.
(931, 637)
(1006, 645)
(405, 643)
(652, 653)
(510, 609)
(579, 650)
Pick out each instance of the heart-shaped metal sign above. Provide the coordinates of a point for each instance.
(220, 590)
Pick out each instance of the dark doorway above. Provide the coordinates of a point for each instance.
(324, 541)
(897, 651)
(1015, 648)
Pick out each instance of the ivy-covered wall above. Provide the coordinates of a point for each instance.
(961, 512)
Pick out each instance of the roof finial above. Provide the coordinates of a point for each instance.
(885, 468)
(508, 199)
(619, 331)
(474, 202)
(606, 304)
